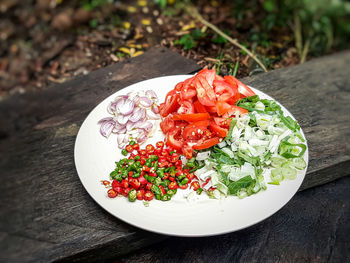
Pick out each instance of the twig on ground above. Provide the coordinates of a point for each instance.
(194, 13)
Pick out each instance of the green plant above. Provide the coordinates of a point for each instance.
(92, 4)
(190, 40)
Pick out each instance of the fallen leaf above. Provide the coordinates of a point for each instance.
(125, 50)
(126, 24)
(146, 22)
(131, 9)
(137, 53)
(142, 2)
(188, 26)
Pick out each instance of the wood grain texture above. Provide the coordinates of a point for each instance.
(45, 213)
(312, 227)
(317, 93)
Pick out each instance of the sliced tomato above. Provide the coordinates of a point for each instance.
(204, 144)
(243, 89)
(199, 107)
(187, 150)
(235, 111)
(208, 74)
(170, 105)
(226, 92)
(211, 109)
(167, 124)
(196, 130)
(178, 86)
(221, 132)
(188, 90)
(205, 95)
(174, 142)
(222, 107)
(186, 107)
(217, 77)
(222, 122)
(207, 87)
(192, 117)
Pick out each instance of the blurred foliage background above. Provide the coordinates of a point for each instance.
(51, 41)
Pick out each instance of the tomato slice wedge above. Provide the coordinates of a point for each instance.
(206, 143)
(199, 107)
(178, 86)
(222, 122)
(195, 130)
(205, 94)
(192, 117)
(222, 107)
(170, 105)
(186, 107)
(243, 89)
(211, 109)
(235, 111)
(221, 132)
(167, 124)
(208, 74)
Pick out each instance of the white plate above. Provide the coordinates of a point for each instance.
(95, 158)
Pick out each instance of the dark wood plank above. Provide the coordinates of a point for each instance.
(45, 213)
(312, 227)
(318, 94)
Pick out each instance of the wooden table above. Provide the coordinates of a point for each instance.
(46, 215)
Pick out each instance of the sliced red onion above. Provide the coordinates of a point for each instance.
(151, 94)
(142, 137)
(130, 125)
(126, 107)
(107, 126)
(112, 107)
(121, 137)
(151, 115)
(145, 102)
(123, 119)
(138, 114)
(147, 126)
(155, 108)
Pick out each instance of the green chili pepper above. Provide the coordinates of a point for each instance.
(132, 195)
(181, 177)
(132, 142)
(167, 169)
(160, 173)
(164, 183)
(131, 162)
(136, 175)
(166, 197)
(172, 152)
(155, 165)
(137, 157)
(184, 181)
(199, 191)
(158, 197)
(148, 162)
(156, 190)
(125, 174)
(157, 180)
(171, 192)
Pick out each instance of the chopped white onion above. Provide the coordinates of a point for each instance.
(203, 156)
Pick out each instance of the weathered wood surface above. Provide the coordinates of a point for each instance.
(312, 227)
(46, 215)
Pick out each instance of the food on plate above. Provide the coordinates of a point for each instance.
(135, 116)
(220, 138)
(149, 173)
(197, 112)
